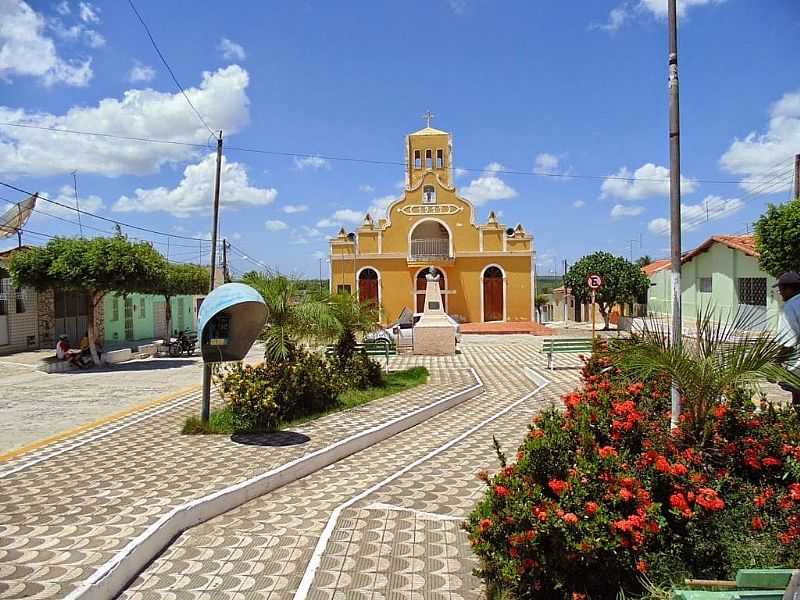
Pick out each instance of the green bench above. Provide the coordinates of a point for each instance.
(377, 348)
(552, 346)
(750, 584)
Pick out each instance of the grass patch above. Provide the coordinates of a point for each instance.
(221, 421)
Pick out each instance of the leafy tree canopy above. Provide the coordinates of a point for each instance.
(623, 281)
(643, 261)
(96, 265)
(778, 238)
(183, 279)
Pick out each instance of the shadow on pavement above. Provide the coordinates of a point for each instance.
(275, 438)
(153, 364)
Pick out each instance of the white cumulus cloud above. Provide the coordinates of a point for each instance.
(658, 8)
(221, 97)
(712, 208)
(365, 187)
(231, 50)
(141, 72)
(311, 162)
(341, 216)
(291, 209)
(88, 12)
(627, 11)
(275, 225)
(488, 187)
(579, 204)
(758, 157)
(621, 210)
(648, 181)
(25, 50)
(379, 206)
(194, 193)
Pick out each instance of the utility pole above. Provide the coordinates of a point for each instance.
(675, 195)
(206, 407)
(225, 277)
(796, 177)
(77, 206)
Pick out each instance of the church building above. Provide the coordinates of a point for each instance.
(486, 269)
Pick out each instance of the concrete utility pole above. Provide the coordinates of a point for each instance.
(206, 407)
(225, 277)
(796, 177)
(675, 194)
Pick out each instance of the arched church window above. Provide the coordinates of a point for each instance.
(417, 159)
(428, 159)
(429, 195)
(440, 159)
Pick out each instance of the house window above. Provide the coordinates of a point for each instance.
(19, 297)
(142, 313)
(343, 289)
(428, 195)
(5, 285)
(752, 291)
(428, 159)
(115, 308)
(705, 285)
(417, 159)
(440, 159)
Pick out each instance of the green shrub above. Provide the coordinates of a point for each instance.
(250, 394)
(604, 487)
(359, 372)
(307, 386)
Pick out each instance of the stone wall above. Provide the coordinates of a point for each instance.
(99, 319)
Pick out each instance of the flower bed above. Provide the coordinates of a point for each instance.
(602, 497)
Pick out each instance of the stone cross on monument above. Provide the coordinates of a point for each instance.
(428, 116)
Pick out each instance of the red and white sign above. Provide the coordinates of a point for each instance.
(594, 281)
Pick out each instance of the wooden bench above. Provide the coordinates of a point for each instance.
(552, 346)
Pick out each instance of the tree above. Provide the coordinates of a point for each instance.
(777, 235)
(94, 266)
(291, 316)
(643, 261)
(180, 279)
(540, 301)
(623, 281)
(351, 317)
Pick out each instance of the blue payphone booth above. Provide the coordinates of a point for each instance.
(230, 319)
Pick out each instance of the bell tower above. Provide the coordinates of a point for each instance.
(429, 150)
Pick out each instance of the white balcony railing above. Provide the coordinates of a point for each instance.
(429, 249)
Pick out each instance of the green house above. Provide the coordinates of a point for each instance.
(722, 273)
(143, 316)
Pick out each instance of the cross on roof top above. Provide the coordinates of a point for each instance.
(428, 116)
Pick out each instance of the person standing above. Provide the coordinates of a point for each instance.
(789, 327)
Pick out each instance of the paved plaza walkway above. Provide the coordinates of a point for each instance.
(382, 520)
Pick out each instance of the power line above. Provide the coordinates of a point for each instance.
(166, 64)
(96, 216)
(351, 159)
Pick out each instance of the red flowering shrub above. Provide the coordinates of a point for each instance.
(603, 492)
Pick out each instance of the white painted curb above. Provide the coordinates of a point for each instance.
(113, 576)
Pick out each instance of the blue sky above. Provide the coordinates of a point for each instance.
(574, 88)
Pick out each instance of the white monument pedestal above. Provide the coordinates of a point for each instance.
(434, 334)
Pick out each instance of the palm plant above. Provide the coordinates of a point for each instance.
(352, 317)
(292, 316)
(725, 355)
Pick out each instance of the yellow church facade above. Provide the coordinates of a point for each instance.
(486, 270)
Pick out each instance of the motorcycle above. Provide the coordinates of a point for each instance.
(185, 343)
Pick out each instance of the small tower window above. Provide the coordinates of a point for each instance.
(428, 159)
(428, 195)
(440, 159)
(417, 159)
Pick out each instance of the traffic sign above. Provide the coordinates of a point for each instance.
(594, 281)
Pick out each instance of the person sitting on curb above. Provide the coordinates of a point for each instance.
(64, 352)
(789, 327)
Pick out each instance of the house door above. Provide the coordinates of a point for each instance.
(492, 294)
(422, 284)
(368, 286)
(71, 315)
(128, 318)
(5, 292)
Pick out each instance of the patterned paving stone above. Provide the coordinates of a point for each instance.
(63, 517)
(401, 541)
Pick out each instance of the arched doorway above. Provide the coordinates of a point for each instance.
(422, 283)
(368, 285)
(429, 240)
(492, 294)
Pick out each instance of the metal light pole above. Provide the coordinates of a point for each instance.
(206, 406)
(675, 195)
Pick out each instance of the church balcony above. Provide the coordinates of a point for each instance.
(429, 250)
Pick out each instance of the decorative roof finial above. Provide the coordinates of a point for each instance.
(428, 116)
